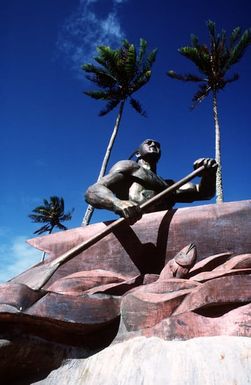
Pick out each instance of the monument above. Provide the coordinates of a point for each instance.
(164, 300)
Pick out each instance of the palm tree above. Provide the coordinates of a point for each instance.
(214, 62)
(52, 214)
(119, 74)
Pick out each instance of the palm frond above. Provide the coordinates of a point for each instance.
(130, 62)
(137, 106)
(91, 68)
(101, 80)
(61, 227)
(192, 54)
(185, 77)
(98, 94)
(194, 41)
(109, 107)
(109, 57)
(38, 218)
(43, 229)
(100, 60)
(45, 206)
(42, 212)
(66, 216)
(55, 200)
(139, 82)
(151, 59)
(100, 76)
(125, 44)
(215, 60)
(200, 95)
(222, 42)
(212, 30)
(40, 209)
(120, 73)
(239, 49)
(235, 35)
(52, 213)
(106, 53)
(142, 50)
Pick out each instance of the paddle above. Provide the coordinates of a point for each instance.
(37, 276)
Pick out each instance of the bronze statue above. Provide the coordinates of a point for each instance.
(130, 183)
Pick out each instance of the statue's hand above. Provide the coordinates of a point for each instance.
(209, 163)
(129, 210)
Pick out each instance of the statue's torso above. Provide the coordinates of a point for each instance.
(140, 184)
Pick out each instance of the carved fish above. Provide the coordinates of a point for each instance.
(180, 265)
(184, 261)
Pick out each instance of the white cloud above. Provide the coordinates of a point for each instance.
(16, 256)
(110, 27)
(88, 28)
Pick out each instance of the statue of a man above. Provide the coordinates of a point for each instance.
(130, 183)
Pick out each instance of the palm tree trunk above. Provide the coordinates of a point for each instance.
(44, 253)
(43, 256)
(90, 209)
(219, 187)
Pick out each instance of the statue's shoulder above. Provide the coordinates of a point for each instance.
(125, 166)
(169, 182)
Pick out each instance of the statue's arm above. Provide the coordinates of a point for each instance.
(107, 191)
(100, 194)
(205, 189)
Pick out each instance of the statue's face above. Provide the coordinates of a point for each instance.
(149, 149)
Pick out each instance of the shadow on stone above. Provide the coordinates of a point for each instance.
(147, 257)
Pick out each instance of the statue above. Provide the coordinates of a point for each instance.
(130, 183)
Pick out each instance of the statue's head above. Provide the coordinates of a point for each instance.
(149, 150)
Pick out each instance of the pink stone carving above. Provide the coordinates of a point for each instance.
(142, 280)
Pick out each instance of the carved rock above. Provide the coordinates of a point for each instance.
(224, 321)
(220, 291)
(80, 282)
(147, 246)
(209, 263)
(242, 261)
(146, 306)
(129, 285)
(18, 295)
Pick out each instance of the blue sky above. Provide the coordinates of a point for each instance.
(52, 140)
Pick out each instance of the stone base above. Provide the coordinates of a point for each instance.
(210, 361)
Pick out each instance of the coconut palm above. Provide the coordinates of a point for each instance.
(119, 74)
(52, 214)
(214, 62)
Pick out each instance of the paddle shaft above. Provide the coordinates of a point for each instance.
(84, 245)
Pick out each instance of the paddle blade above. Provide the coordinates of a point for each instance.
(36, 277)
